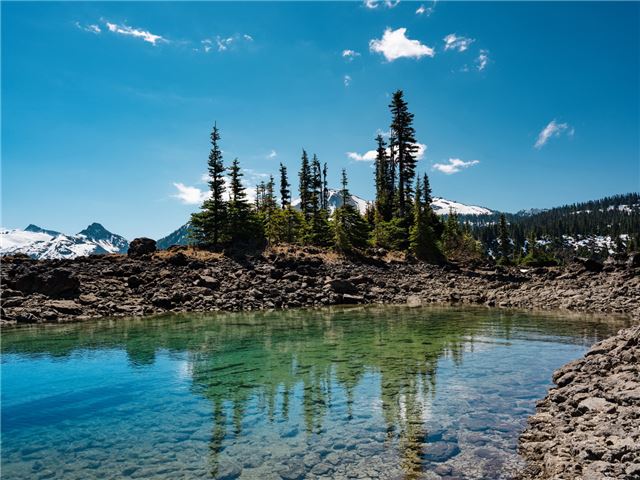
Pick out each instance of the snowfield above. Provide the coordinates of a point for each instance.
(37, 243)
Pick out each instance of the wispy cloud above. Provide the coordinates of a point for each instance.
(347, 80)
(145, 35)
(426, 11)
(225, 43)
(553, 129)
(394, 44)
(91, 28)
(190, 195)
(454, 42)
(455, 165)
(385, 3)
(272, 154)
(482, 60)
(370, 155)
(350, 54)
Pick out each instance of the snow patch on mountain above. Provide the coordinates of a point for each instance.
(40, 243)
(441, 206)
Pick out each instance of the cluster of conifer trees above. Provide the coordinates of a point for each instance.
(401, 218)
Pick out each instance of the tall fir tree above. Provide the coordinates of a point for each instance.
(403, 145)
(305, 181)
(319, 232)
(503, 239)
(208, 225)
(241, 221)
(384, 187)
(285, 193)
(421, 239)
(350, 229)
(325, 188)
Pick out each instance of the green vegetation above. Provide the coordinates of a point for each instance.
(401, 217)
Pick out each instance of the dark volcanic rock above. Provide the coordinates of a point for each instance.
(141, 246)
(203, 281)
(56, 283)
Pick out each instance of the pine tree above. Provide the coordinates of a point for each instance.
(285, 193)
(319, 232)
(403, 146)
(384, 187)
(421, 240)
(505, 244)
(242, 224)
(208, 224)
(305, 186)
(350, 230)
(325, 188)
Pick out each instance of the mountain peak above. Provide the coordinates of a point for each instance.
(36, 229)
(95, 230)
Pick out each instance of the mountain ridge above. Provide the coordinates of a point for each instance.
(41, 243)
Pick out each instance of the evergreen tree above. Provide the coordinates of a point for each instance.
(384, 187)
(242, 224)
(404, 147)
(318, 228)
(305, 186)
(285, 193)
(350, 230)
(325, 188)
(505, 244)
(208, 224)
(421, 240)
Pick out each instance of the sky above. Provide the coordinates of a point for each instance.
(107, 108)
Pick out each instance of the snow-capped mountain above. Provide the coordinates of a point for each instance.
(335, 200)
(48, 244)
(440, 206)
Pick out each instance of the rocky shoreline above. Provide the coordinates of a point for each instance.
(588, 426)
(183, 280)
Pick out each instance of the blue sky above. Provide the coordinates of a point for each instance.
(106, 107)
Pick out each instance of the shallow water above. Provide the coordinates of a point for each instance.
(386, 392)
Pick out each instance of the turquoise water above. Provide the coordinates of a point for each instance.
(345, 393)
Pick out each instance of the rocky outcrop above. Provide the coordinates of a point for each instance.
(184, 279)
(141, 246)
(588, 426)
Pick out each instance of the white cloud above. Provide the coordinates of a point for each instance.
(272, 154)
(92, 28)
(350, 54)
(225, 43)
(370, 155)
(426, 11)
(136, 32)
(394, 44)
(482, 60)
(386, 3)
(206, 45)
(190, 195)
(454, 166)
(347, 80)
(453, 42)
(553, 129)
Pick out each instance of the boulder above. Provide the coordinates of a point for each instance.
(56, 283)
(590, 264)
(141, 246)
(341, 286)
(178, 260)
(208, 282)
